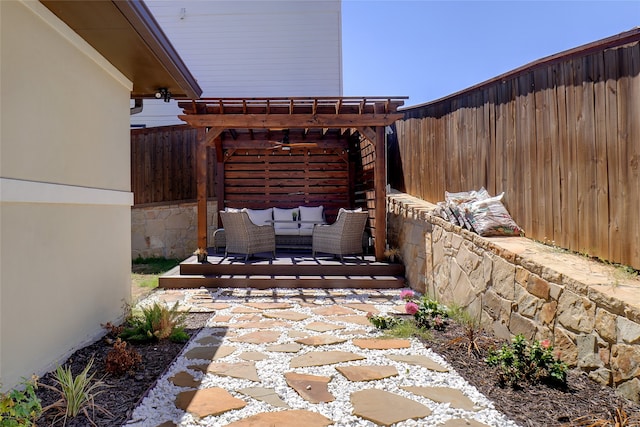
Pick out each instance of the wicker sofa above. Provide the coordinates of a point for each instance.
(293, 227)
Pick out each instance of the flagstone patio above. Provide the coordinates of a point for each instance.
(305, 357)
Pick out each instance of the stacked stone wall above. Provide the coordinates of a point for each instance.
(168, 231)
(513, 285)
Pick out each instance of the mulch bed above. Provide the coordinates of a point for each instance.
(123, 393)
(532, 405)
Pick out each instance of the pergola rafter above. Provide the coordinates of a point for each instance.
(213, 116)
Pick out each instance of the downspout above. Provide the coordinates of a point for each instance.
(137, 107)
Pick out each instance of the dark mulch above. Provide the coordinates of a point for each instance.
(537, 405)
(530, 405)
(123, 393)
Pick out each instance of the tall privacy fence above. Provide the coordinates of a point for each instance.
(560, 137)
(163, 167)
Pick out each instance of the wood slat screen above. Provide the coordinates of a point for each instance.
(560, 137)
(163, 165)
(259, 178)
(364, 188)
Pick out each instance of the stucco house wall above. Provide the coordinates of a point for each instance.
(65, 200)
(248, 48)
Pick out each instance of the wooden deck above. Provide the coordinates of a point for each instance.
(288, 270)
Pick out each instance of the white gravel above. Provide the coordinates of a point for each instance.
(158, 406)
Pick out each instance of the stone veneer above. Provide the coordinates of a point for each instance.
(590, 311)
(168, 230)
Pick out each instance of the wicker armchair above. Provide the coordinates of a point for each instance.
(244, 237)
(343, 237)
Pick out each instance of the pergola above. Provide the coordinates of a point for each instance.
(213, 116)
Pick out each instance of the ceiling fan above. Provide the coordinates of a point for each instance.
(285, 144)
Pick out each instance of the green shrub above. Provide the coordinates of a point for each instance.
(531, 363)
(428, 313)
(20, 408)
(381, 321)
(156, 323)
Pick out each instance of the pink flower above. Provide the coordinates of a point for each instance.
(411, 307)
(407, 294)
(545, 344)
(369, 315)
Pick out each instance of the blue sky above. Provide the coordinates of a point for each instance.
(430, 49)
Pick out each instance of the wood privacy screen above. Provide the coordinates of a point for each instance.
(262, 178)
(163, 165)
(561, 138)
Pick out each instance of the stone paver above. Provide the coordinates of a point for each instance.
(312, 388)
(385, 408)
(419, 360)
(324, 339)
(286, 315)
(210, 340)
(244, 370)
(319, 358)
(381, 344)
(209, 353)
(367, 308)
(265, 324)
(184, 379)
(269, 305)
(367, 373)
(210, 401)
(455, 397)
(355, 319)
(323, 327)
(284, 348)
(259, 337)
(245, 309)
(252, 356)
(264, 394)
(295, 418)
(333, 310)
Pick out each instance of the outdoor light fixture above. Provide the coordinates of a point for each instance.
(163, 93)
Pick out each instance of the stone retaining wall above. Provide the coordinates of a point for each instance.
(168, 231)
(590, 311)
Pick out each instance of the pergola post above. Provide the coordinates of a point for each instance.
(380, 188)
(201, 186)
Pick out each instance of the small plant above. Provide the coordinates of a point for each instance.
(201, 254)
(121, 360)
(20, 408)
(381, 321)
(77, 394)
(392, 254)
(428, 313)
(156, 323)
(472, 339)
(531, 363)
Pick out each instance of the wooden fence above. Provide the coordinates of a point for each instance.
(163, 165)
(560, 137)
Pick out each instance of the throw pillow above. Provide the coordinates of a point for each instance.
(284, 215)
(261, 216)
(308, 213)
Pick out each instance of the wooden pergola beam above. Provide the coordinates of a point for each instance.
(284, 121)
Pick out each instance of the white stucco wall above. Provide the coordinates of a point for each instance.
(65, 221)
(249, 48)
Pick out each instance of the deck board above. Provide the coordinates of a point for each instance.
(288, 270)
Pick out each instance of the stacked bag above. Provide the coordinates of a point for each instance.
(479, 212)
